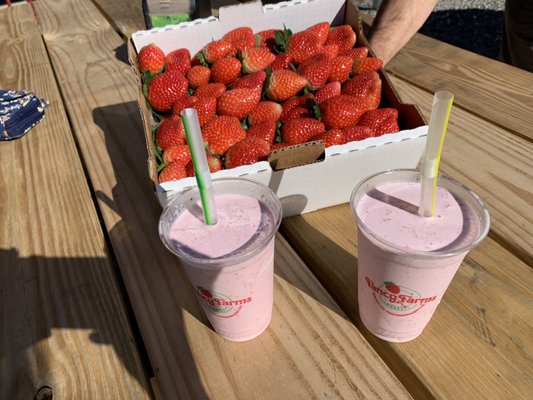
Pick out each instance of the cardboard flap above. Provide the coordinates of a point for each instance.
(294, 156)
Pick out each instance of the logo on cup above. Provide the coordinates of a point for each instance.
(398, 300)
(219, 304)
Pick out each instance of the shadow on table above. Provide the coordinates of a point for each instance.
(152, 276)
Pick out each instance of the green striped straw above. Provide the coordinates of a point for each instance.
(189, 116)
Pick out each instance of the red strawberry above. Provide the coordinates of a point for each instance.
(165, 89)
(381, 120)
(178, 60)
(283, 84)
(222, 132)
(198, 75)
(300, 130)
(321, 30)
(392, 287)
(180, 152)
(279, 146)
(316, 70)
(365, 86)
(354, 133)
(218, 49)
(251, 81)
(341, 111)
(225, 70)
(366, 64)
(245, 152)
(343, 36)
(206, 107)
(331, 137)
(331, 50)
(341, 68)
(256, 59)
(265, 130)
(170, 132)
(282, 61)
(242, 38)
(172, 172)
(213, 89)
(355, 52)
(331, 89)
(295, 113)
(238, 102)
(182, 103)
(151, 58)
(303, 45)
(267, 38)
(264, 111)
(213, 162)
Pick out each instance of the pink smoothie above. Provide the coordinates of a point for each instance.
(234, 287)
(404, 268)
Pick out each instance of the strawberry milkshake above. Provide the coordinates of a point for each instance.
(406, 261)
(230, 264)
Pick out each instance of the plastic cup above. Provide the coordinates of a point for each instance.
(230, 264)
(407, 261)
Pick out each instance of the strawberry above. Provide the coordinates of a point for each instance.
(238, 102)
(206, 107)
(331, 137)
(264, 111)
(279, 146)
(151, 58)
(354, 133)
(213, 89)
(218, 49)
(392, 287)
(265, 130)
(381, 120)
(321, 30)
(267, 38)
(182, 103)
(341, 68)
(222, 132)
(213, 163)
(355, 52)
(198, 75)
(300, 130)
(331, 50)
(165, 89)
(343, 36)
(296, 107)
(316, 70)
(256, 59)
(172, 172)
(365, 86)
(243, 38)
(225, 70)
(341, 111)
(178, 60)
(283, 84)
(330, 89)
(180, 152)
(170, 132)
(247, 151)
(303, 45)
(295, 113)
(366, 64)
(251, 81)
(282, 61)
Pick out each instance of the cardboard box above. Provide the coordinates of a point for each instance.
(329, 175)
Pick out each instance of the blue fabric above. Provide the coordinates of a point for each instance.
(20, 110)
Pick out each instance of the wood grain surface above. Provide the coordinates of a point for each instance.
(310, 350)
(65, 332)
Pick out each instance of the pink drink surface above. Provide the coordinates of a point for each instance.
(236, 296)
(399, 291)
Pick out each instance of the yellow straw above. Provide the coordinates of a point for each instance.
(438, 122)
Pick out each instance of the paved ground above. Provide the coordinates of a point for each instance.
(474, 25)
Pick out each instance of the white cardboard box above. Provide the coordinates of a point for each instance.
(309, 187)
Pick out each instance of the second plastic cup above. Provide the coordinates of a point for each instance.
(406, 261)
(230, 264)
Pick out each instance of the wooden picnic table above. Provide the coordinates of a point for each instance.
(94, 307)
